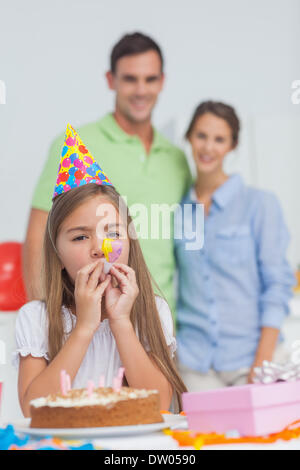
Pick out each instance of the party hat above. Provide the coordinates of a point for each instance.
(77, 166)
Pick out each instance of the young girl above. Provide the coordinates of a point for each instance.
(88, 323)
(234, 292)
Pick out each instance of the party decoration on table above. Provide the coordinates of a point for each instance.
(9, 438)
(53, 443)
(12, 289)
(112, 250)
(199, 440)
(77, 166)
(271, 372)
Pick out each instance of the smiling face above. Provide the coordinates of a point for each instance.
(138, 80)
(79, 241)
(211, 140)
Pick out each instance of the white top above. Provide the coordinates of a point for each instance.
(102, 356)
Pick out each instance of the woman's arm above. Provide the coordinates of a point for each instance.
(140, 370)
(276, 275)
(37, 379)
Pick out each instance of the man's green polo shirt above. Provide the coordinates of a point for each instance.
(159, 177)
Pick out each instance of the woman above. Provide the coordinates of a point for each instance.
(233, 293)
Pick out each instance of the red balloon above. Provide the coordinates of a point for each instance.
(12, 289)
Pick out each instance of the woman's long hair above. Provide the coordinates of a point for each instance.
(58, 289)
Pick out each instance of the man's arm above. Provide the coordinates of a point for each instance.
(32, 253)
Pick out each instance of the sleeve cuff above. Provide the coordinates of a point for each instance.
(273, 316)
(15, 359)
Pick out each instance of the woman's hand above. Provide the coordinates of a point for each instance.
(119, 300)
(265, 349)
(88, 294)
(251, 375)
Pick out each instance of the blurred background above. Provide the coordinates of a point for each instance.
(53, 57)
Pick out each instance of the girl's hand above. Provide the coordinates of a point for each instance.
(119, 300)
(88, 294)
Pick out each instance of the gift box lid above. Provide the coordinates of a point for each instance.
(242, 397)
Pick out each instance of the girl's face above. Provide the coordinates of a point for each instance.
(79, 241)
(211, 140)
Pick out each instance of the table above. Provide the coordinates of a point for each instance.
(161, 441)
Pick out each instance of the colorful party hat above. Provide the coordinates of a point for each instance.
(77, 166)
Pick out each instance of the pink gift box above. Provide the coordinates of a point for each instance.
(252, 410)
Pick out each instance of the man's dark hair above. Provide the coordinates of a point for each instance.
(131, 44)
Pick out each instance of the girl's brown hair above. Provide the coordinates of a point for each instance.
(58, 289)
(220, 110)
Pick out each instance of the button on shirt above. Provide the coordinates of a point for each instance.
(160, 177)
(239, 282)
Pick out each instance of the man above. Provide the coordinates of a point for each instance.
(144, 166)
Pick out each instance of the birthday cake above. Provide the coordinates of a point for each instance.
(103, 407)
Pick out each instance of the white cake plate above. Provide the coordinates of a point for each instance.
(170, 421)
